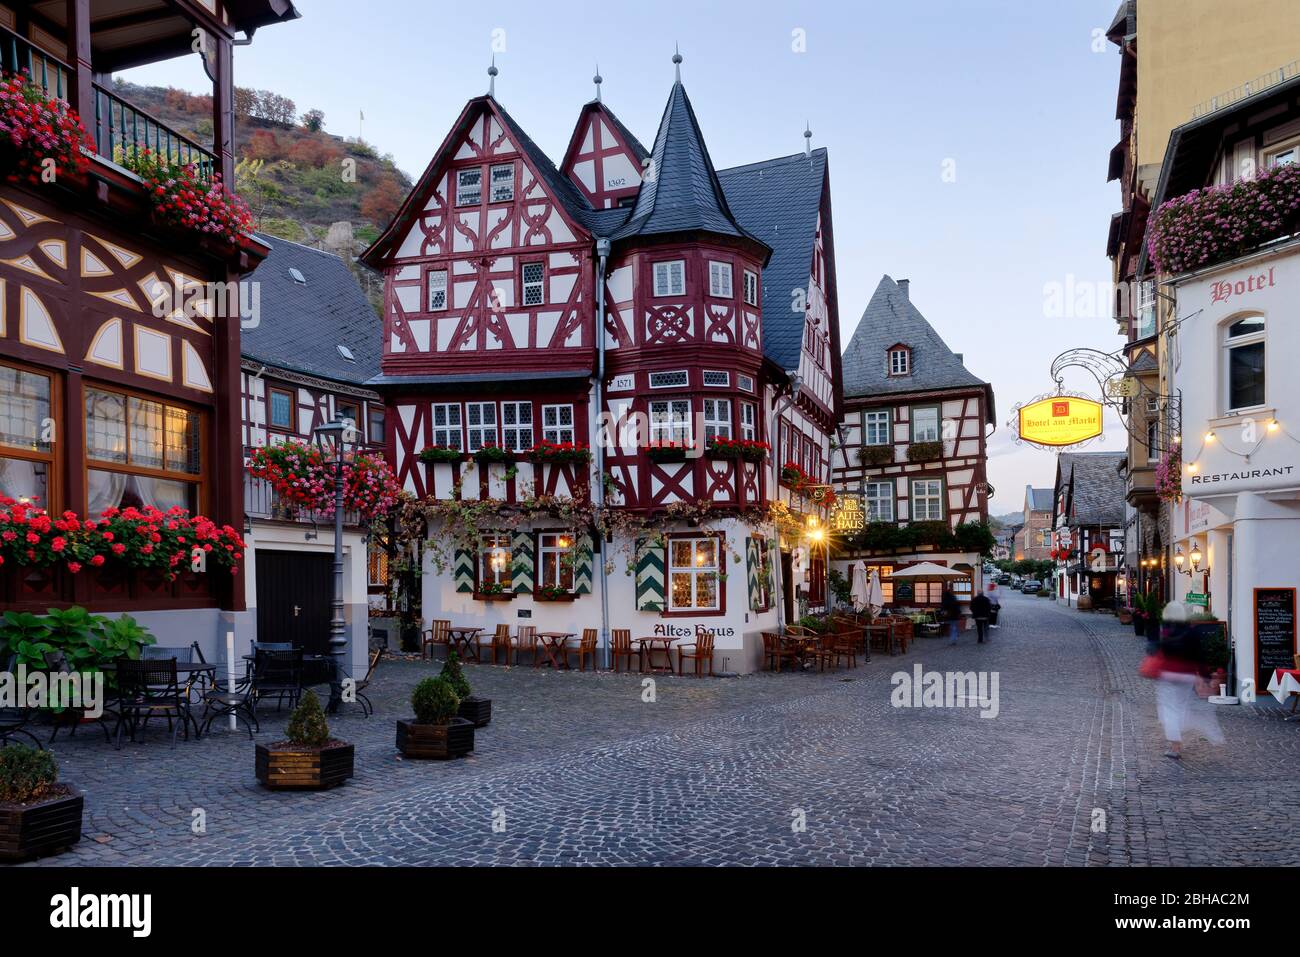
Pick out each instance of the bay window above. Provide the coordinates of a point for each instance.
(557, 423)
(670, 421)
(446, 425)
(517, 426)
(1244, 364)
(720, 280)
(717, 419)
(27, 435)
(140, 452)
(927, 500)
(555, 560)
(693, 567)
(480, 425)
(748, 421)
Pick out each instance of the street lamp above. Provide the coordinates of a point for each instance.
(1195, 556)
(332, 437)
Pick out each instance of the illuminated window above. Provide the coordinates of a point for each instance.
(494, 560)
(377, 565)
(141, 452)
(27, 436)
(693, 565)
(555, 560)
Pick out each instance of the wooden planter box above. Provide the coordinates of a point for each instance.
(34, 830)
(497, 596)
(282, 769)
(437, 741)
(477, 710)
(569, 597)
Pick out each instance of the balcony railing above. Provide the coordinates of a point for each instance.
(261, 501)
(117, 127)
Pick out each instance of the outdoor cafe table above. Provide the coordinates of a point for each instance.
(1284, 684)
(886, 630)
(657, 644)
(462, 636)
(803, 645)
(553, 644)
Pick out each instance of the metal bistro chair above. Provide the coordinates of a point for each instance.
(150, 688)
(699, 652)
(277, 673)
(14, 721)
(439, 633)
(367, 708)
(621, 646)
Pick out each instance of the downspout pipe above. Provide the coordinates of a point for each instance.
(782, 405)
(602, 437)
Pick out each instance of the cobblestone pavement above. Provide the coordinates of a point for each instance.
(577, 768)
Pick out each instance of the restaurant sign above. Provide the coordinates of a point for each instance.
(1060, 420)
(847, 515)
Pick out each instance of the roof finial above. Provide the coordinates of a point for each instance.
(598, 80)
(492, 77)
(677, 62)
(807, 139)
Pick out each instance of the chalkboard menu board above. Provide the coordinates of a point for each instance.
(1274, 632)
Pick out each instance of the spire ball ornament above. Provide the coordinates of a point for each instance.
(677, 62)
(492, 77)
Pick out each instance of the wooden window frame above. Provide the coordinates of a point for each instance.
(866, 426)
(655, 434)
(938, 422)
(446, 289)
(539, 430)
(456, 194)
(765, 582)
(722, 265)
(479, 551)
(912, 497)
(292, 428)
(718, 403)
(539, 550)
(720, 544)
(530, 425)
(491, 187)
(749, 282)
(654, 279)
(892, 498)
(52, 459)
(198, 479)
(459, 427)
(903, 351)
(524, 284)
(482, 426)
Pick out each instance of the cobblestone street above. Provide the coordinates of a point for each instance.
(576, 768)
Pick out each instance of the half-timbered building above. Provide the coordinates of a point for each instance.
(914, 453)
(106, 399)
(1088, 526)
(636, 302)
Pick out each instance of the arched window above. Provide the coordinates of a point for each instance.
(1243, 363)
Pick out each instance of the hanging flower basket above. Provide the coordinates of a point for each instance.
(794, 477)
(1169, 475)
(299, 475)
(183, 200)
(35, 129)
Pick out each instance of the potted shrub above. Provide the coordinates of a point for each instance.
(436, 731)
(472, 707)
(38, 815)
(308, 759)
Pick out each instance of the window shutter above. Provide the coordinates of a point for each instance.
(753, 571)
(582, 566)
(521, 562)
(649, 576)
(463, 570)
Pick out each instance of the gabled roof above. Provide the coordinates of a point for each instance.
(302, 324)
(777, 201)
(684, 193)
(1040, 499)
(890, 318)
(598, 106)
(1095, 487)
(1145, 362)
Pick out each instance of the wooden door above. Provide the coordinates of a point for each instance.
(294, 592)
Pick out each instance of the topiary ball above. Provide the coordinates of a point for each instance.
(455, 675)
(434, 701)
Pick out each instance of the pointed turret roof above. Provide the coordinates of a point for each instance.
(682, 192)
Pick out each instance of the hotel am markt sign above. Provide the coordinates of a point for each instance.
(1060, 420)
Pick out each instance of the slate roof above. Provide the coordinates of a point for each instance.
(777, 201)
(891, 319)
(1040, 499)
(1096, 486)
(685, 194)
(302, 324)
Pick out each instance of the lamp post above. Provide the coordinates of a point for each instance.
(332, 438)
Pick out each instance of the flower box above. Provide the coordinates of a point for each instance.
(665, 454)
(560, 453)
(494, 596)
(493, 454)
(438, 454)
(924, 451)
(873, 455)
(39, 128)
(183, 200)
(286, 767)
(745, 450)
(549, 595)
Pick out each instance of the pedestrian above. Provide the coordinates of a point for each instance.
(1178, 666)
(981, 608)
(996, 604)
(950, 612)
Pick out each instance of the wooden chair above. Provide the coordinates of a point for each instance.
(499, 642)
(699, 652)
(776, 651)
(526, 640)
(438, 634)
(621, 643)
(842, 645)
(586, 646)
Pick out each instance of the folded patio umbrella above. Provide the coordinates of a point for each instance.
(875, 593)
(859, 594)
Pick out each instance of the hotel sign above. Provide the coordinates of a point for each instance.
(1060, 420)
(847, 515)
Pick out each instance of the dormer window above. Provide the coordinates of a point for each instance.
(900, 360)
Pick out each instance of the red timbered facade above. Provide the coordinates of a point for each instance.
(914, 451)
(719, 324)
(109, 396)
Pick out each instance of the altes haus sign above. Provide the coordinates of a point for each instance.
(1060, 420)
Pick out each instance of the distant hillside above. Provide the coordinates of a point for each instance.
(292, 171)
(1009, 520)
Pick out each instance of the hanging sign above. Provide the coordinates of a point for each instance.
(1060, 420)
(847, 515)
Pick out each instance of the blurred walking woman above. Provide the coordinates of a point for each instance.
(1179, 669)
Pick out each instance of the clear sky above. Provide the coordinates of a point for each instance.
(1015, 98)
